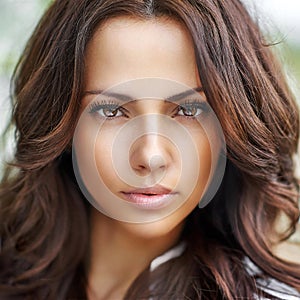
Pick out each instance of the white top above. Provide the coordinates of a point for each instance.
(270, 285)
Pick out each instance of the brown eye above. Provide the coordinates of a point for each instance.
(191, 109)
(106, 110)
(189, 112)
(110, 112)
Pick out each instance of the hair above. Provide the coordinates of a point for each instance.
(44, 218)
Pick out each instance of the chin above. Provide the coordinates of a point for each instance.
(167, 226)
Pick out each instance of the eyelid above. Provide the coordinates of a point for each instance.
(107, 103)
(114, 104)
(189, 103)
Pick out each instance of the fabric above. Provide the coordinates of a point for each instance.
(172, 253)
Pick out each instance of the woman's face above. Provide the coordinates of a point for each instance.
(141, 141)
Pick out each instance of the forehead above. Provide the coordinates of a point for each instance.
(126, 48)
(135, 30)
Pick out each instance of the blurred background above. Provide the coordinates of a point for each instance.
(279, 20)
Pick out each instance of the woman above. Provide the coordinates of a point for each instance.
(55, 245)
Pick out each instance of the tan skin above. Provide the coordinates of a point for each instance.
(122, 49)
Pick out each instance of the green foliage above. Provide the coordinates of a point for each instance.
(293, 60)
(289, 55)
(17, 21)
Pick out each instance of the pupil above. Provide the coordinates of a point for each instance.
(191, 111)
(109, 112)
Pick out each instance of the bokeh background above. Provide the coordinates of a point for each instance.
(279, 20)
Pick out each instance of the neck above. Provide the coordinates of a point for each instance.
(118, 255)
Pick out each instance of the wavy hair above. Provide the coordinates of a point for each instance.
(44, 218)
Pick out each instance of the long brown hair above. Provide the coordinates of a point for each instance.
(44, 218)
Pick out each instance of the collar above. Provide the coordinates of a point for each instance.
(168, 255)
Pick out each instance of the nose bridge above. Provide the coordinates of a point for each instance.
(153, 126)
(152, 149)
(152, 144)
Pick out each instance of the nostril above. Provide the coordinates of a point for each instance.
(156, 162)
(141, 167)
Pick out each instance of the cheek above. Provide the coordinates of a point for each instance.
(205, 159)
(200, 167)
(103, 156)
(205, 163)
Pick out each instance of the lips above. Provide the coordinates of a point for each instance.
(150, 198)
(155, 190)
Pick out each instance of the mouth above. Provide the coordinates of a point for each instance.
(155, 197)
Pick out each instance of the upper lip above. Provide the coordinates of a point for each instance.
(154, 190)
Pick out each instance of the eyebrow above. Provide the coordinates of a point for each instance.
(184, 94)
(123, 97)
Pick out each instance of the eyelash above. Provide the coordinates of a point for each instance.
(109, 105)
(114, 107)
(202, 105)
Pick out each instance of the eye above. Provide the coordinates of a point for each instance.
(191, 109)
(107, 110)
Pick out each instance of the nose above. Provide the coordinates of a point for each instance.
(150, 153)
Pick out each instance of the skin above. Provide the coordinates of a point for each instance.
(121, 50)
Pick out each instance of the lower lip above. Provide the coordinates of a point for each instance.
(149, 202)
